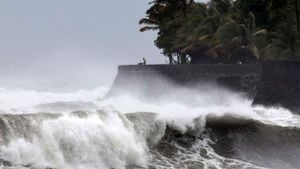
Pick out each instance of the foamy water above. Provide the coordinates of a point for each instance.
(25, 101)
(102, 136)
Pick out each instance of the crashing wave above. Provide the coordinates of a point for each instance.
(204, 129)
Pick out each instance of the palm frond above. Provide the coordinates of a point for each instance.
(146, 28)
(253, 50)
(260, 32)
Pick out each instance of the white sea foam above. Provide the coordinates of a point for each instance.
(25, 101)
(111, 140)
(185, 105)
(97, 141)
(180, 108)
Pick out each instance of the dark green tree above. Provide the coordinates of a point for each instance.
(225, 31)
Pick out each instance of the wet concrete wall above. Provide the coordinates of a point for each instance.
(279, 85)
(272, 83)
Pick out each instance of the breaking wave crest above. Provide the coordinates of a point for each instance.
(203, 129)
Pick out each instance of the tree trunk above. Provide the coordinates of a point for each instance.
(178, 59)
(170, 59)
(183, 59)
(184, 4)
(297, 15)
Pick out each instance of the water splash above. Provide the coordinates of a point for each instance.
(113, 138)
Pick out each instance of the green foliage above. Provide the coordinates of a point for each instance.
(225, 31)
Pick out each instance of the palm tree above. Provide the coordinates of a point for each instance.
(165, 16)
(237, 42)
(297, 15)
(284, 45)
(194, 37)
(224, 30)
(284, 40)
(219, 38)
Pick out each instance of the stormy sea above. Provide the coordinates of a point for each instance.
(209, 128)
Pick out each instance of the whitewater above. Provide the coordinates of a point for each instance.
(208, 127)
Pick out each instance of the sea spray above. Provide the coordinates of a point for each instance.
(22, 101)
(202, 129)
(88, 140)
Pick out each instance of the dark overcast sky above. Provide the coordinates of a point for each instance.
(72, 40)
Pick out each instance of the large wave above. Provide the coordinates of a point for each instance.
(190, 128)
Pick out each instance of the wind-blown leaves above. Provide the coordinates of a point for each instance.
(224, 31)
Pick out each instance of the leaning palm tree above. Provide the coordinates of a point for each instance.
(234, 42)
(219, 38)
(284, 38)
(162, 11)
(284, 45)
(153, 19)
(165, 16)
(194, 37)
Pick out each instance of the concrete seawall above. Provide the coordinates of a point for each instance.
(279, 85)
(256, 80)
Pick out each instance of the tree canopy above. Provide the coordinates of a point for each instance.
(225, 31)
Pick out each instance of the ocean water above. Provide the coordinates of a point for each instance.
(213, 128)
